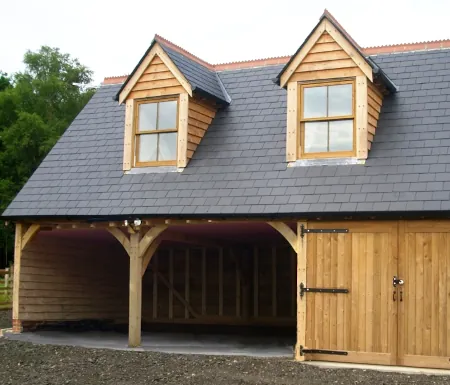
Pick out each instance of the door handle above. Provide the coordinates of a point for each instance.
(397, 281)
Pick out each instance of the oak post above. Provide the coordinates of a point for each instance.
(301, 302)
(135, 301)
(17, 328)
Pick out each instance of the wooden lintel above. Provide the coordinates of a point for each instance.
(68, 224)
(287, 233)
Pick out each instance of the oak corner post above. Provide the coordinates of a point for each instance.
(301, 302)
(16, 283)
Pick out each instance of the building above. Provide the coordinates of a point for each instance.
(310, 191)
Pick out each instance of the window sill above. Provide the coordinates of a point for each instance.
(326, 162)
(153, 170)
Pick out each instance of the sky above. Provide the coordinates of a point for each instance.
(111, 36)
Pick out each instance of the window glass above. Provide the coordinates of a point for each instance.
(167, 115)
(341, 135)
(148, 145)
(316, 137)
(167, 146)
(315, 102)
(147, 116)
(340, 100)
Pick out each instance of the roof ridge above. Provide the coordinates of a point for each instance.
(405, 47)
(114, 79)
(181, 50)
(272, 60)
(240, 64)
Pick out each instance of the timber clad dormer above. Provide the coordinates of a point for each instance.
(334, 96)
(165, 120)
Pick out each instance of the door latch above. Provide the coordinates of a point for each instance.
(397, 281)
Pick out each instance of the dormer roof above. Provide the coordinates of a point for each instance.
(202, 80)
(374, 74)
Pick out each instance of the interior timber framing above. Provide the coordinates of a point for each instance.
(222, 282)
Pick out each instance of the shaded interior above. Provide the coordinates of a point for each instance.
(243, 281)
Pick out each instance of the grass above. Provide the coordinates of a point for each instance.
(5, 299)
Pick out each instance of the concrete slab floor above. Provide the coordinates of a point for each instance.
(381, 368)
(180, 343)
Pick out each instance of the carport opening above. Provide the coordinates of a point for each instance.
(222, 278)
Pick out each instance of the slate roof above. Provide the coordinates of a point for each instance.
(239, 167)
(200, 77)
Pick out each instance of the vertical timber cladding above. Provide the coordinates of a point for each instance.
(424, 298)
(362, 322)
(241, 285)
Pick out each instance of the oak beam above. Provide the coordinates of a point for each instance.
(287, 233)
(149, 237)
(121, 237)
(149, 254)
(29, 234)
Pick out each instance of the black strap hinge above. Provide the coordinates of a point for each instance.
(304, 231)
(322, 351)
(304, 290)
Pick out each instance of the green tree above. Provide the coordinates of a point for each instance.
(36, 107)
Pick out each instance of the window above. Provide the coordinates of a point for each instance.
(327, 119)
(156, 124)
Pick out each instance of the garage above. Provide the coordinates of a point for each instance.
(364, 291)
(389, 291)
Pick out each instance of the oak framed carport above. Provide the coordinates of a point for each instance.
(191, 278)
(356, 289)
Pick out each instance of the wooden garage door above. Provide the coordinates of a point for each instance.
(362, 323)
(424, 299)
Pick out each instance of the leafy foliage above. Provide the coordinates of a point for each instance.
(36, 107)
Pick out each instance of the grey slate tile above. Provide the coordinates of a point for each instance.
(239, 167)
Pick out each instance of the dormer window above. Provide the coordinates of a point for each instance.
(334, 97)
(327, 119)
(156, 132)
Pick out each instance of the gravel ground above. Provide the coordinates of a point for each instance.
(25, 363)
